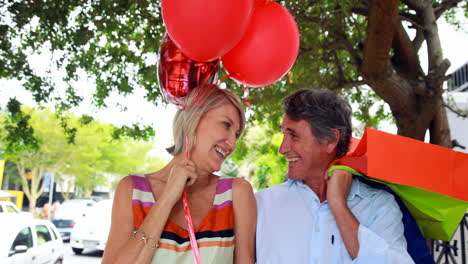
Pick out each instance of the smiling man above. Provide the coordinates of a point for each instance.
(313, 218)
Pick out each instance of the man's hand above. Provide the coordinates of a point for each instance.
(338, 186)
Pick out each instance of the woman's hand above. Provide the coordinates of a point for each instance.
(182, 174)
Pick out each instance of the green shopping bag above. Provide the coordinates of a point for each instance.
(436, 215)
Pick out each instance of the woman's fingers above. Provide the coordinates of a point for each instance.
(183, 172)
(191, 179)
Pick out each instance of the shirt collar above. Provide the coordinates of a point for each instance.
(357, 188)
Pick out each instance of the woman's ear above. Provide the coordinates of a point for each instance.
(333, 142)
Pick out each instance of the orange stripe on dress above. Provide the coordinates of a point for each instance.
(216, 220)
(139, 214)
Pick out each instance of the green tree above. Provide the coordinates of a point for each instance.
(344, 44)
(257, 155)
(33, 158)
(86, 163)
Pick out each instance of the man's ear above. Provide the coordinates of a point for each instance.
(333, 142)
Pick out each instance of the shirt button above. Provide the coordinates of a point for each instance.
(317, 229)
(315, 260)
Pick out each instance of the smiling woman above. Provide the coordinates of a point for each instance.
(197, 104)
(148, 208)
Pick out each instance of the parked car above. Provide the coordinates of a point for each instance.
(26, 240)
(91, 231)
(68, 213)
(8, 207)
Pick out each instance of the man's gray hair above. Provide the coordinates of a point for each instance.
(324, 110)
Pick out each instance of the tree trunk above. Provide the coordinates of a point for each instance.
(62, 182)
(31, 190)
(414, 99)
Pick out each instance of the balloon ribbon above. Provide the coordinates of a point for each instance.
(188, 217)
(247, 98)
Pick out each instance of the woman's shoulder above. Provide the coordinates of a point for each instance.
(241, 183)
(241, 186)
(125, 185)
(132, 181)
(125, 181)
(129, 179)
(243, 199)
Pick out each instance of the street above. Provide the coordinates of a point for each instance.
(88, 256)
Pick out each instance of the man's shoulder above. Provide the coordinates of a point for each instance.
(273, 191)
(373, 188)
(377, 192)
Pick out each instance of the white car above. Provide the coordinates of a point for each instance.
(8, 207)
(91, 231)
(26, 240)
(68, 213)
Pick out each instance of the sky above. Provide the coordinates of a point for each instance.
(454, 44)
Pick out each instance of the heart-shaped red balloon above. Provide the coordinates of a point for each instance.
(178, 75)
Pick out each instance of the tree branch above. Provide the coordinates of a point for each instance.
(406, 58)
(418, 40)
(416, 5)
(438, 129)
(456, 111)
(343, 41)
(455, 144)
(343, 83)
(355, 56)
(436, 77)
(439, 9)
(412, 19)
(380, 30)
(431, 34)
(395, 90)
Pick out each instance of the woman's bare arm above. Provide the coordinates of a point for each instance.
(120, 247)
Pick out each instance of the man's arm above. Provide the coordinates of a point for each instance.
(338, 186)
(378, 239)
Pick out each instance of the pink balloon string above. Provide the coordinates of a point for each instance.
(247, 98)
(188, 215)
(193, 239)
(198, 95)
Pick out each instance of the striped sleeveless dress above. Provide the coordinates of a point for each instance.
(215, 234)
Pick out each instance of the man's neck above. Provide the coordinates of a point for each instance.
(318, 185)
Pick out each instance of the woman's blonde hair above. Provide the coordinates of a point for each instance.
(197, 104)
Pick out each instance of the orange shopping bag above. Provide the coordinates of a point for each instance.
(431, 180)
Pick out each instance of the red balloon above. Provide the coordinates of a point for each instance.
(260, 3)
(268, 49)
(178, 75)
(206, 29)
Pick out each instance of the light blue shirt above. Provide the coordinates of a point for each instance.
(294, 227)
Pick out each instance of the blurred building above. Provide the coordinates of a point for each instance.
(459, 80)
(457, 99)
